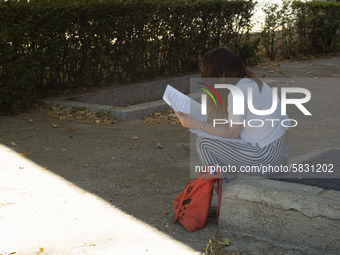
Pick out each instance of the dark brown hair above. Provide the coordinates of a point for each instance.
(224, 63)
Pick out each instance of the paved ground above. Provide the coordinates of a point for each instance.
(75, 188)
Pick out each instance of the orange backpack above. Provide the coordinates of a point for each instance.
(192, 205)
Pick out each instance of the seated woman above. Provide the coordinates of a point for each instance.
(265, 144)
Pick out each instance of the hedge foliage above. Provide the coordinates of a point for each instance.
(55, 45)
(52, 45)
(318, 25)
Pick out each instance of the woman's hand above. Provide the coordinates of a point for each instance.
(188, 121)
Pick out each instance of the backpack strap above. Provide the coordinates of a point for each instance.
(219, 199)
(185, 191)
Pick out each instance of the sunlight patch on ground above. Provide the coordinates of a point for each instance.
(41, 211)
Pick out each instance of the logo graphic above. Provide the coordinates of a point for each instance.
(204, 97)
(239, 100)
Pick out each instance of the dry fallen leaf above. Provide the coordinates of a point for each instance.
(158, 118)
(135, 138)
(55, 125)
(81, 115)
(225, 242)
(63, 149)
(165, 213)
(321, 192)
(172, 115)
(24, 154)
(85, 165)
(72, 129)
(13, 144)
(40, 250)
(107, 122)
(115, 107)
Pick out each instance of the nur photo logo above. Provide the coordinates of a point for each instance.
(240, 101)
(204, 97)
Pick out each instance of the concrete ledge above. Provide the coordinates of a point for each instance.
(286, 214)
(90, 107)
(140, 110)
(136, 93)
(107, 100)
(124, 113)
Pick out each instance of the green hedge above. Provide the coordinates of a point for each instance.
(64, 44)
(318, 26)
(295, 28)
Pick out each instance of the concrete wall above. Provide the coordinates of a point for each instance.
(298, 216)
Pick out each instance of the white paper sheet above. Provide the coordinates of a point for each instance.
(180, 102)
